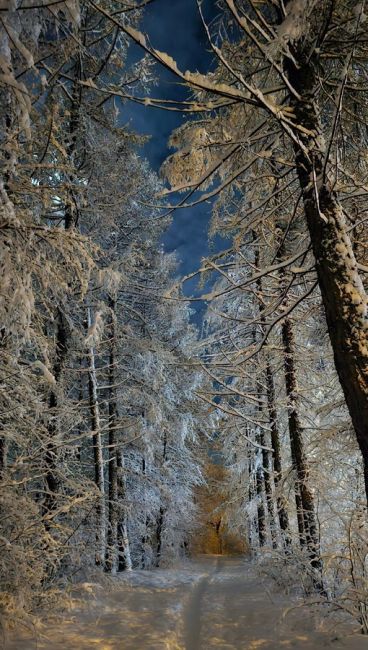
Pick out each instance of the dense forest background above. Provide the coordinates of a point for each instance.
(129, 439)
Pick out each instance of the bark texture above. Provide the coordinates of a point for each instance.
(303, 495)
(307, 525)
(342, 290)
(261, 515)
(98, 456)
(277, 462)
(112, 534)
(124, 559)
(160, 520)
(51, 454)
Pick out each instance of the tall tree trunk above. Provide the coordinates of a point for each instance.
(3, 438)
(145, 534)
(98, 456)
(267, 478)
(112, 562)
(295, 432)
(260, 473)
(71, 216)
(51, 454)
(307, 525)
(161, 515)
(159, 526)
(253, 524)
(267, 475)
(261, 515)
(277, 462)
(307, 528)
(264, 486)
(3, 455)
(51, 478)
(343, 294)
(125, 562)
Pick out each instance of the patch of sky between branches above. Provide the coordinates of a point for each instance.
(174, 27)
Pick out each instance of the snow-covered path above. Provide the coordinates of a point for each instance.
(214, 602)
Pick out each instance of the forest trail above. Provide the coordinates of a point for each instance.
(212, 602)
(192, 619)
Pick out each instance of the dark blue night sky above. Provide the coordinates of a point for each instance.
(174, 26)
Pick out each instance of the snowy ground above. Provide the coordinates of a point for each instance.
(213, 602)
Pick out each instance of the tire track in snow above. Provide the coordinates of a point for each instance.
(192, 612)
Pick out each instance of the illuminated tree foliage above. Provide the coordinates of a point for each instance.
(106, 393)
(100, 420)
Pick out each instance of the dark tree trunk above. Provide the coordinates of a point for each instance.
(342, 290)
(8, 125)
(80, 400)
(277, 463)
(266, 461)
(263, 482)
(71, 216)
(3, 438)
(145, 538)
(3, 455)
(251, 495)
(261, 515)
(52, 479)
(160, 520)
(295, 431)
(112, 535)
(267, 477)
(51, 454)
(307, 526)
(259, 472)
